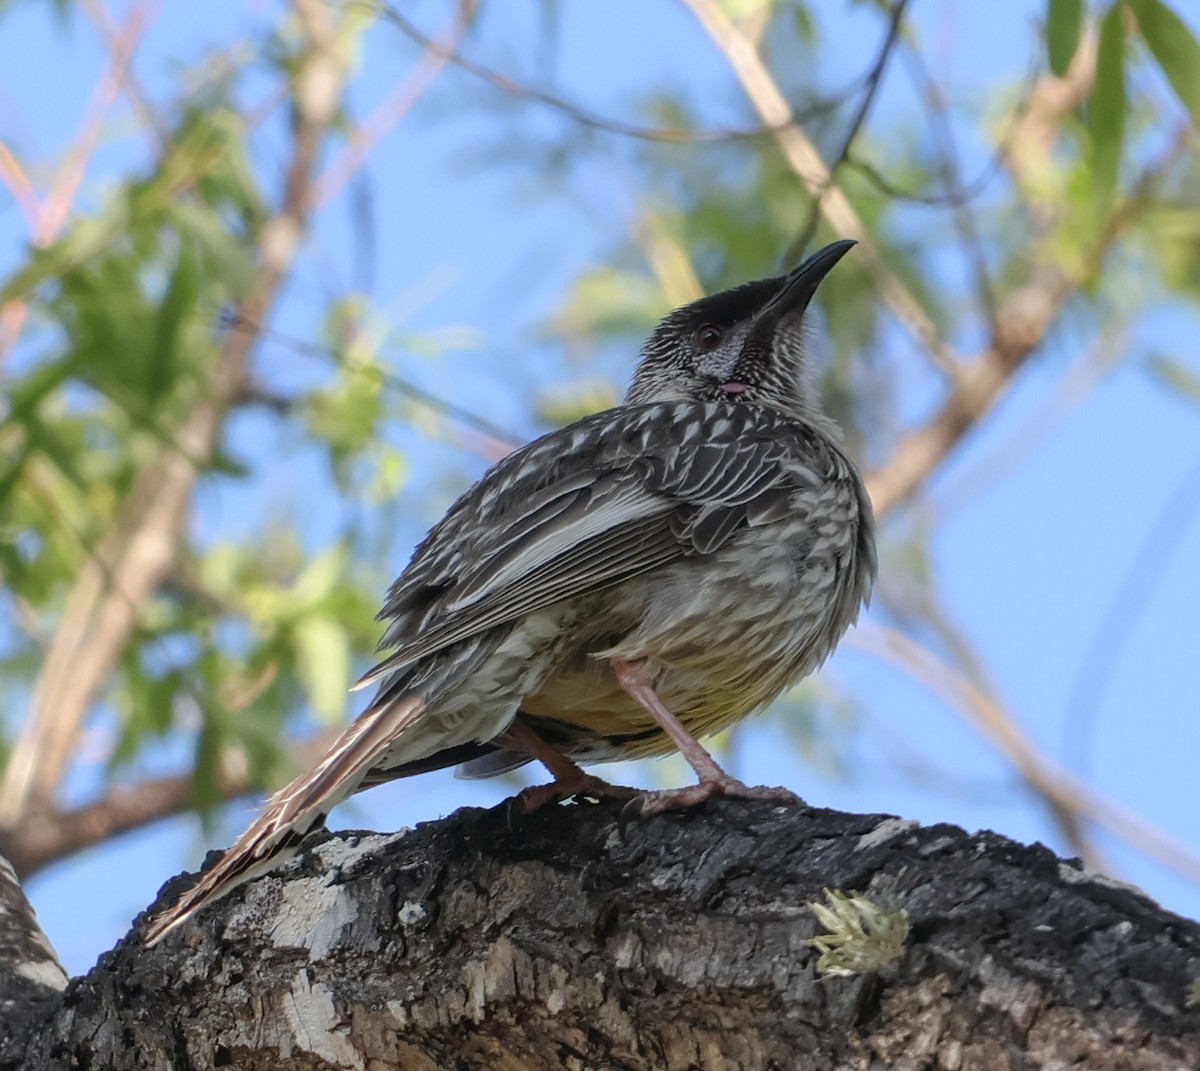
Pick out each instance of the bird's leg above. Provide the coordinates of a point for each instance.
(637, 678)
(569, 778)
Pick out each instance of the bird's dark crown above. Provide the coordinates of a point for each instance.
(744, 345)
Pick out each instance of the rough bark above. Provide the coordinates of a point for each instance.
(567, 940)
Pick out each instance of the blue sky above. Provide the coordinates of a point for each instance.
(1030, 562)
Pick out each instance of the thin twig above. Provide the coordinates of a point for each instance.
(581, 116)
(368, 134)
(968, 191)
(127, 80)
(46, 218)
(961, 212)
(66, 182)
(917, 603)
(12, 175)
(874, 78)
(1062, 791)
(806, 162)
(504, 437)
(1125, 606)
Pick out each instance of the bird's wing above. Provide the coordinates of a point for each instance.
(587, 507)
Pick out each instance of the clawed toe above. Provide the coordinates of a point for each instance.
(535, 797)
(678, 799)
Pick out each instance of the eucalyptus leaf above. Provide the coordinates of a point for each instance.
(1174, 48)
(1064, 23)
(1107, 105)
(323, 665)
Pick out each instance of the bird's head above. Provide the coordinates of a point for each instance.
(742, 345)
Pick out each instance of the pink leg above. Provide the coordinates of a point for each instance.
(569, 779)
(637, 680)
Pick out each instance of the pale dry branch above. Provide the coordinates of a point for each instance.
(127, 81)
(806, 162)
(1022, 321)
(1028, 156)
(1063, 793)
(57, 205)
(12, 174)
(668, 260)
(45, 218)
(141, 549)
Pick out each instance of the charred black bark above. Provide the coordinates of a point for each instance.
(563, 940)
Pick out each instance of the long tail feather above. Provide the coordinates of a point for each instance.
(294, 810)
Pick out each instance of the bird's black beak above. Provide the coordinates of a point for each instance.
(800, 284)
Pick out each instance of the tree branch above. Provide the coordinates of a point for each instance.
(951, 172)
(97, 13)
(45, 219)
(563, 939)
(45, 836)
(31, 977)
(367, 135)
(1021, 323)
(913, 602)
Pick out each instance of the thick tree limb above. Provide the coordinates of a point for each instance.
(560, 940)
(31, 978)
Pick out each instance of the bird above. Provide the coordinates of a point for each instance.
(615, 589)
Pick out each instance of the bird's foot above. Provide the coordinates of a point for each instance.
(535, 797)
(726, 787)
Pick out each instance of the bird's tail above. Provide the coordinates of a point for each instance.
(295, 809)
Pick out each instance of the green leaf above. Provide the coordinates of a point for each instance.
(1106, 109)
(178, 302)
(323, 665)
(1064, 22)
(1175, 49)
(319, 577)
(206, 776)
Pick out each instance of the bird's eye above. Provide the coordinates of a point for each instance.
(709, 337)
